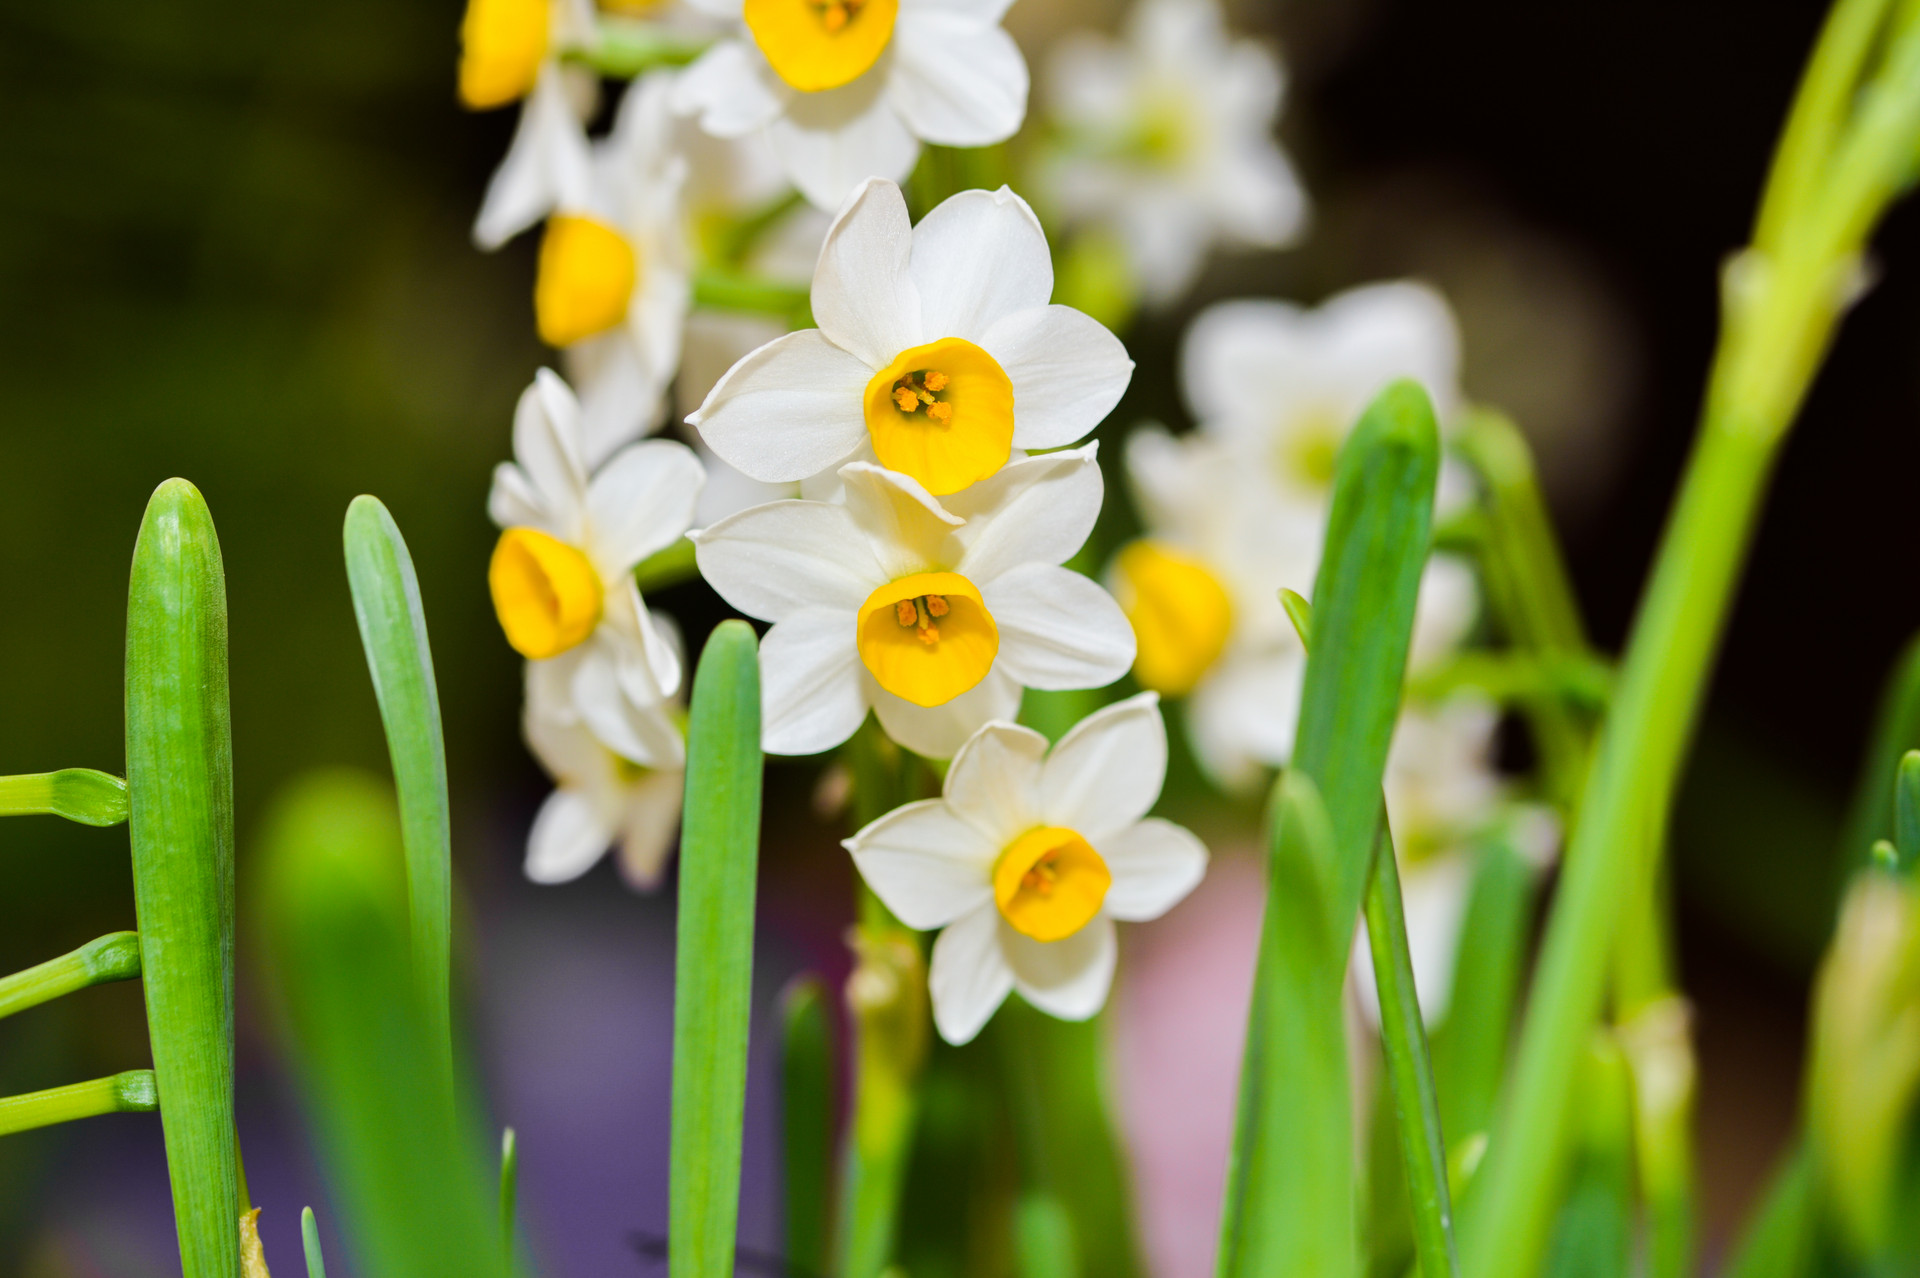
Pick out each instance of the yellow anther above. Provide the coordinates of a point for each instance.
(1049, 883)
(927, 661)
(585, 281)
(1181, 615)
(940, 414)
(815, 46)
(934, 380)
(906, 613)
(545, 592)
(905, 398)
(937, 605)
(502, 44)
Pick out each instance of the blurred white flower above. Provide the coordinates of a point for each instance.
(1028, 858)
(1166, 137)
(562, 573)
(601, 799)
(935, 615)
(848, 89)
(929, 337)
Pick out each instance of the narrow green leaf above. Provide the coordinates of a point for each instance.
(1300, 613)
(509, 1187)
(1896, 730)
(113, 957)
(414, 1190)
(180, 784)
(1593, 1237)
(310, 1243)
(1906, 809)
(1470, 1050)
(1779, 1239)
(809, 1085)
(713, 976)
(78, 794)
(1044, 1243)
(128, 1093)
(393, 630)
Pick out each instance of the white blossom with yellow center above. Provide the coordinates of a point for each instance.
(933, 614)
(1028, 858)
(938, 354)
(1165, 138)
(562, 572)
(848, 89)
(601, 798)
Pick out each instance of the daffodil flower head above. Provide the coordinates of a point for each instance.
(934, 614)
(562, 572)
(938, 353)
(1181, 614)
(1028, 858)
(847, 89)
(503, 44)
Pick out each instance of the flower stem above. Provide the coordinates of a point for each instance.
(78, 794)
(113, 957)
(664, 568)
(730, 290)
(128, 1093)
(627, 48)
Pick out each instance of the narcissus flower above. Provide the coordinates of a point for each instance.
(1028, 858)
(1166, 137)
(848, 89)
(935, 615)
(562, 571)
(937, 352)
(601, 798)
(506, 46)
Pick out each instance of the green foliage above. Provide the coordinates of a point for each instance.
(809, 1083)
(78, 794)
(113, 957)
(310, 1244)
(713, 965)
(180, 780)
(129, 1093)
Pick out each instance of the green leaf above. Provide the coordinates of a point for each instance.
(405, 1166)
(128, 1093)
(1896, 730)
(393, 630)
(113, 957)
(78, 794)
(1906, 811)
(509, 1187)
(180, 783)
(1593, 1237)
(809, 1085)
(713, 976)
(1779, 1238)
(310, 1243)
(666, 567)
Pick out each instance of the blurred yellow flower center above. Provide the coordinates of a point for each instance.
(585, 279)
(1049, 883)
(631, 8)
(942, 413)
(1307, 449)
(502, 44)
(821, 44)
(1181, 615)
(546, 593)
(927, 637)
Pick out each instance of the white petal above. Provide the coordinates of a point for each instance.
(906, 526)
(1449, 598)
(546, 447)
(650, 670)
(1106, 773)
(925, 863)
(1037, 510)
(773, 560)
(1068, 979)
(1154, 865)
(1058, 629)
(620, 398)
(1067, 371)
(1242, 716)
(732, 89)
(969, 977)
(994, 781)
(641, 501)
(978, 258)
(935, 732)
(548, 165)
(788, 410)
(955, 81)
(512, 501)
(976, 11)
(833, 141)
(864, 298)
(647, 827)
(814, 692)
(640, 731)
(568, 837)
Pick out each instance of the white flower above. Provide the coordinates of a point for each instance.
(601, 799)
(562, 572)
(1168, 139)
(937, 352)
(935, 615)
(1027, 860)
(510, 51)
(848, 89)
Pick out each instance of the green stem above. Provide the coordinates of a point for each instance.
(113, 957)
(626, 49)
(1896, 730)
(128, 1093)
(664, 568)
(809, 1082)
(729, 290)
(78, 794)
(509, 1184)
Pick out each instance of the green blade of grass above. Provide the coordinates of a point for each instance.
(310, 1243)
(713, 976)
(509, 1188)
(414, 1192)
(180, 786)
(128, 1093)
(78, 794)
(1906, 811)
(1896, 730)
(809, 1084)
(393, 630)
(1778, 1240)
(113, 957)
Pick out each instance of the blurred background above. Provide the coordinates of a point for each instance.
(233, 247)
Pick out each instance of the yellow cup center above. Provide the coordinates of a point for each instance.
(927, 637)
(502, 44)
(545, 592)
(1181, 615)
(942, 413)
(1307, 450)
(821, 44)
(1049, 883)
(585, 279)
